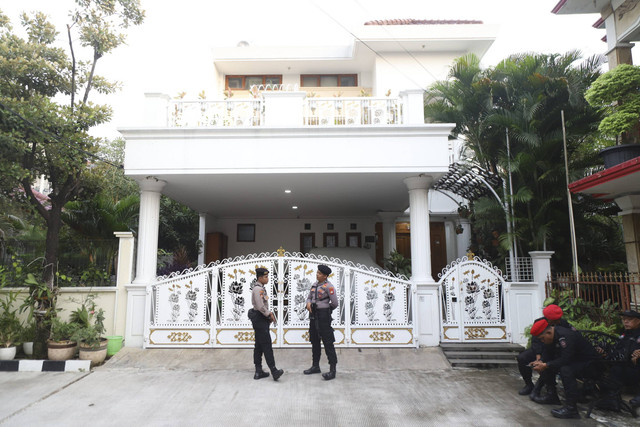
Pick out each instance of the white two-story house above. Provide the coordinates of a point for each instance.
(319, 149)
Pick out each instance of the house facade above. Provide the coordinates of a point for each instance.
(321, 151)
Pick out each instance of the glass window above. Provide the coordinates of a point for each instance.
(234, 82)
(272, 80)
(309, 81)
(328, 81)
(246, 233)
(347, 81)
(251, 81)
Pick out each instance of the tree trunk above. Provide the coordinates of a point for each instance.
(54, 224)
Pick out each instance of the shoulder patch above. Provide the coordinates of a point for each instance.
(261, 293)
(332, 291)
(562, 342)
(639, 340)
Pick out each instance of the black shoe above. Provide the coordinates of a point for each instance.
(260, 374)
(566, 412)
(329, 375)
(527, 389)
(547, 399)
(312, 370)
(635, 402)
(277, 373)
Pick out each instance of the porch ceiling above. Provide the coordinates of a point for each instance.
(316, 195)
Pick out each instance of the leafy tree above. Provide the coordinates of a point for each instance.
(45, 111)
(618, 93)
(526, 94)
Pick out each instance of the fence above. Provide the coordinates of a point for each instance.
(622, 289)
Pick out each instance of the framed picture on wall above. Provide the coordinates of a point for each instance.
(246, 233)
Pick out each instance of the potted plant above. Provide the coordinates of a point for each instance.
(28, 336)
(90, 327)
(61, 345)
(616, 92)
(10, 327)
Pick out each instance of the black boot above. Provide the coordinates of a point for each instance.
(635, 402)
(314, 369)
(276, 373)
(551, 398)
(527, 389)
(331, 374)
(568, 411)
(537, 388)
(260, 373)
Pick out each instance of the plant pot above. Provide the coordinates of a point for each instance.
(61, 350)
(114, 345)
(617, 154)
(96, 355)
(27, 347)
(7, 353)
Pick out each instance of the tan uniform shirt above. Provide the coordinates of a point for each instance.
(260, 299)
(327, 297)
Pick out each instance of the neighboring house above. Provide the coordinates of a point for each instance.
(620, 180)
(312, 147)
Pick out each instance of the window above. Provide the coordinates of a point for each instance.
(330, 240)
(245, 82)
(246, 233)
(328, 80)
(307, 242)
(354, 240)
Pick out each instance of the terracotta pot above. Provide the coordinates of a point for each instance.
(61, 350)
(95, 355)
(7, 353)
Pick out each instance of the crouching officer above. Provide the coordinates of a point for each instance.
(628, 350)
(261, 317)
(573, 357)
(321, 301)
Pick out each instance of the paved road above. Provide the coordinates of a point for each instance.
(374, 387)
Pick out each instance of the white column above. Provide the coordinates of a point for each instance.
(463, 240)
(156, 109)
(124, 275)
(541, 261)
(283, 108)
(419, 220)
(202, 236)
(147, 258)
(388, 231)
(412, 106)
(427, 301)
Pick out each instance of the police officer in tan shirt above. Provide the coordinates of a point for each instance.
(261, 317)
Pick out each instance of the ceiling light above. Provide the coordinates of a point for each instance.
(294, 207)
(287, 191)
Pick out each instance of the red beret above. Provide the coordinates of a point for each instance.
(552, 312)
(539, 327)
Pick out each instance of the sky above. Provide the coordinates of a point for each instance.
(171, 51)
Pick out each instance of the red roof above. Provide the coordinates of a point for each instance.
(422, 22)
(612, 182)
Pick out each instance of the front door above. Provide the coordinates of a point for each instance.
(471, 294)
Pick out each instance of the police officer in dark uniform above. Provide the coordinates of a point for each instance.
(261, 317)
(553, 313)
(628, 351)
(574, 357)
(321, 301)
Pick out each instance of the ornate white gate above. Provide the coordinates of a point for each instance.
(472, 296)
(207, 306)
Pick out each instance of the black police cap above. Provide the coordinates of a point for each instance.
(324, 270)
(261, 271)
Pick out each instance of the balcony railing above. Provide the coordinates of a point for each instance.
(351, 111)
(336, 111)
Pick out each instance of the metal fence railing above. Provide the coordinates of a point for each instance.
(622, 289)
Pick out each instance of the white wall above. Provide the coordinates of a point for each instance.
(273, 233)
(399, 71)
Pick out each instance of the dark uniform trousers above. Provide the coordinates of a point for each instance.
(569, 374)
(524, 358)
(326, 334)
(262, 341)
(622, 374)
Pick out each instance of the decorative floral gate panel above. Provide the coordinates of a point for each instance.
(472, 296)
(207, 306)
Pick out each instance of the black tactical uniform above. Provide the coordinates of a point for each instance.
(524, 359)
(323, 299)
(626, 373)
(573, 357)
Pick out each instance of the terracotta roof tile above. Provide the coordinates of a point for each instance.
(422, 22)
